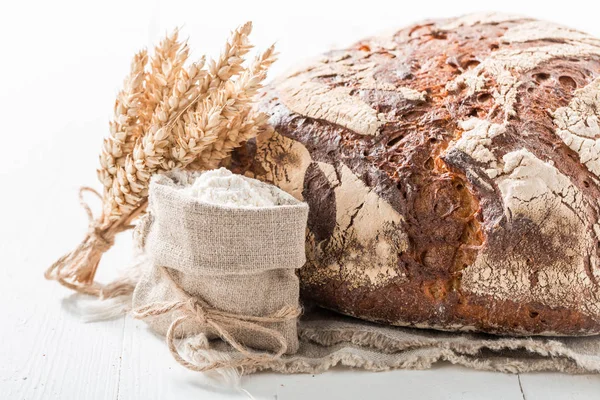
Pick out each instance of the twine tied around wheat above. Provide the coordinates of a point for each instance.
(167, 116)
(76, 269)
(223, 323)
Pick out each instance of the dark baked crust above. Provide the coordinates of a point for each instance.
(446, 185)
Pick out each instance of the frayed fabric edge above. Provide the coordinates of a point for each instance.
(465, 350)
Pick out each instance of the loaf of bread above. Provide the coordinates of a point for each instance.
(452, 173)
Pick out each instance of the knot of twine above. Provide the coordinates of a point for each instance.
(195, 306)
(196, 310)
(76, 269)
(97, 232)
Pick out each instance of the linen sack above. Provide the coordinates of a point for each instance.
(326, 339)
(239, 262)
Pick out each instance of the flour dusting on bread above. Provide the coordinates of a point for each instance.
(452, 173)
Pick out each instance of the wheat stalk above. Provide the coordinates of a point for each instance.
(231, 59)
(169, 116)
(166, 76)
(238, 126)
(150, 155)
(168, 60)
(124, 127)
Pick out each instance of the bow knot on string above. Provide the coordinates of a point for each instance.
(97, 231)
(193, 310)
(98, 236)
(195, 306)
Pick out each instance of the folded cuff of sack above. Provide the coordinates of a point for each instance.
(207, 239)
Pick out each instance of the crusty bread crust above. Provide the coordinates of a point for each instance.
(452, 172)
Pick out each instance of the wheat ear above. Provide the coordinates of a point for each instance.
(166, 117)
(150, 155)
(167, 61)
(237, 126)
(125, 124)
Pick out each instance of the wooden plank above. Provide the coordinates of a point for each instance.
(149, 371)
(543, 386)
(57, 96)
(67, 65)
(445, 382)
(47, 352)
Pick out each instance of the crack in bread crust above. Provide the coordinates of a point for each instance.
(578, 125)
(466, 195)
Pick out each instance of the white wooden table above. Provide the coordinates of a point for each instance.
(61, 66)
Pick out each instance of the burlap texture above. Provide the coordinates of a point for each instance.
(238, 260)
(328, 339)
(243, 261)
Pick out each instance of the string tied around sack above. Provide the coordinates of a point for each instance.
(223, 323)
